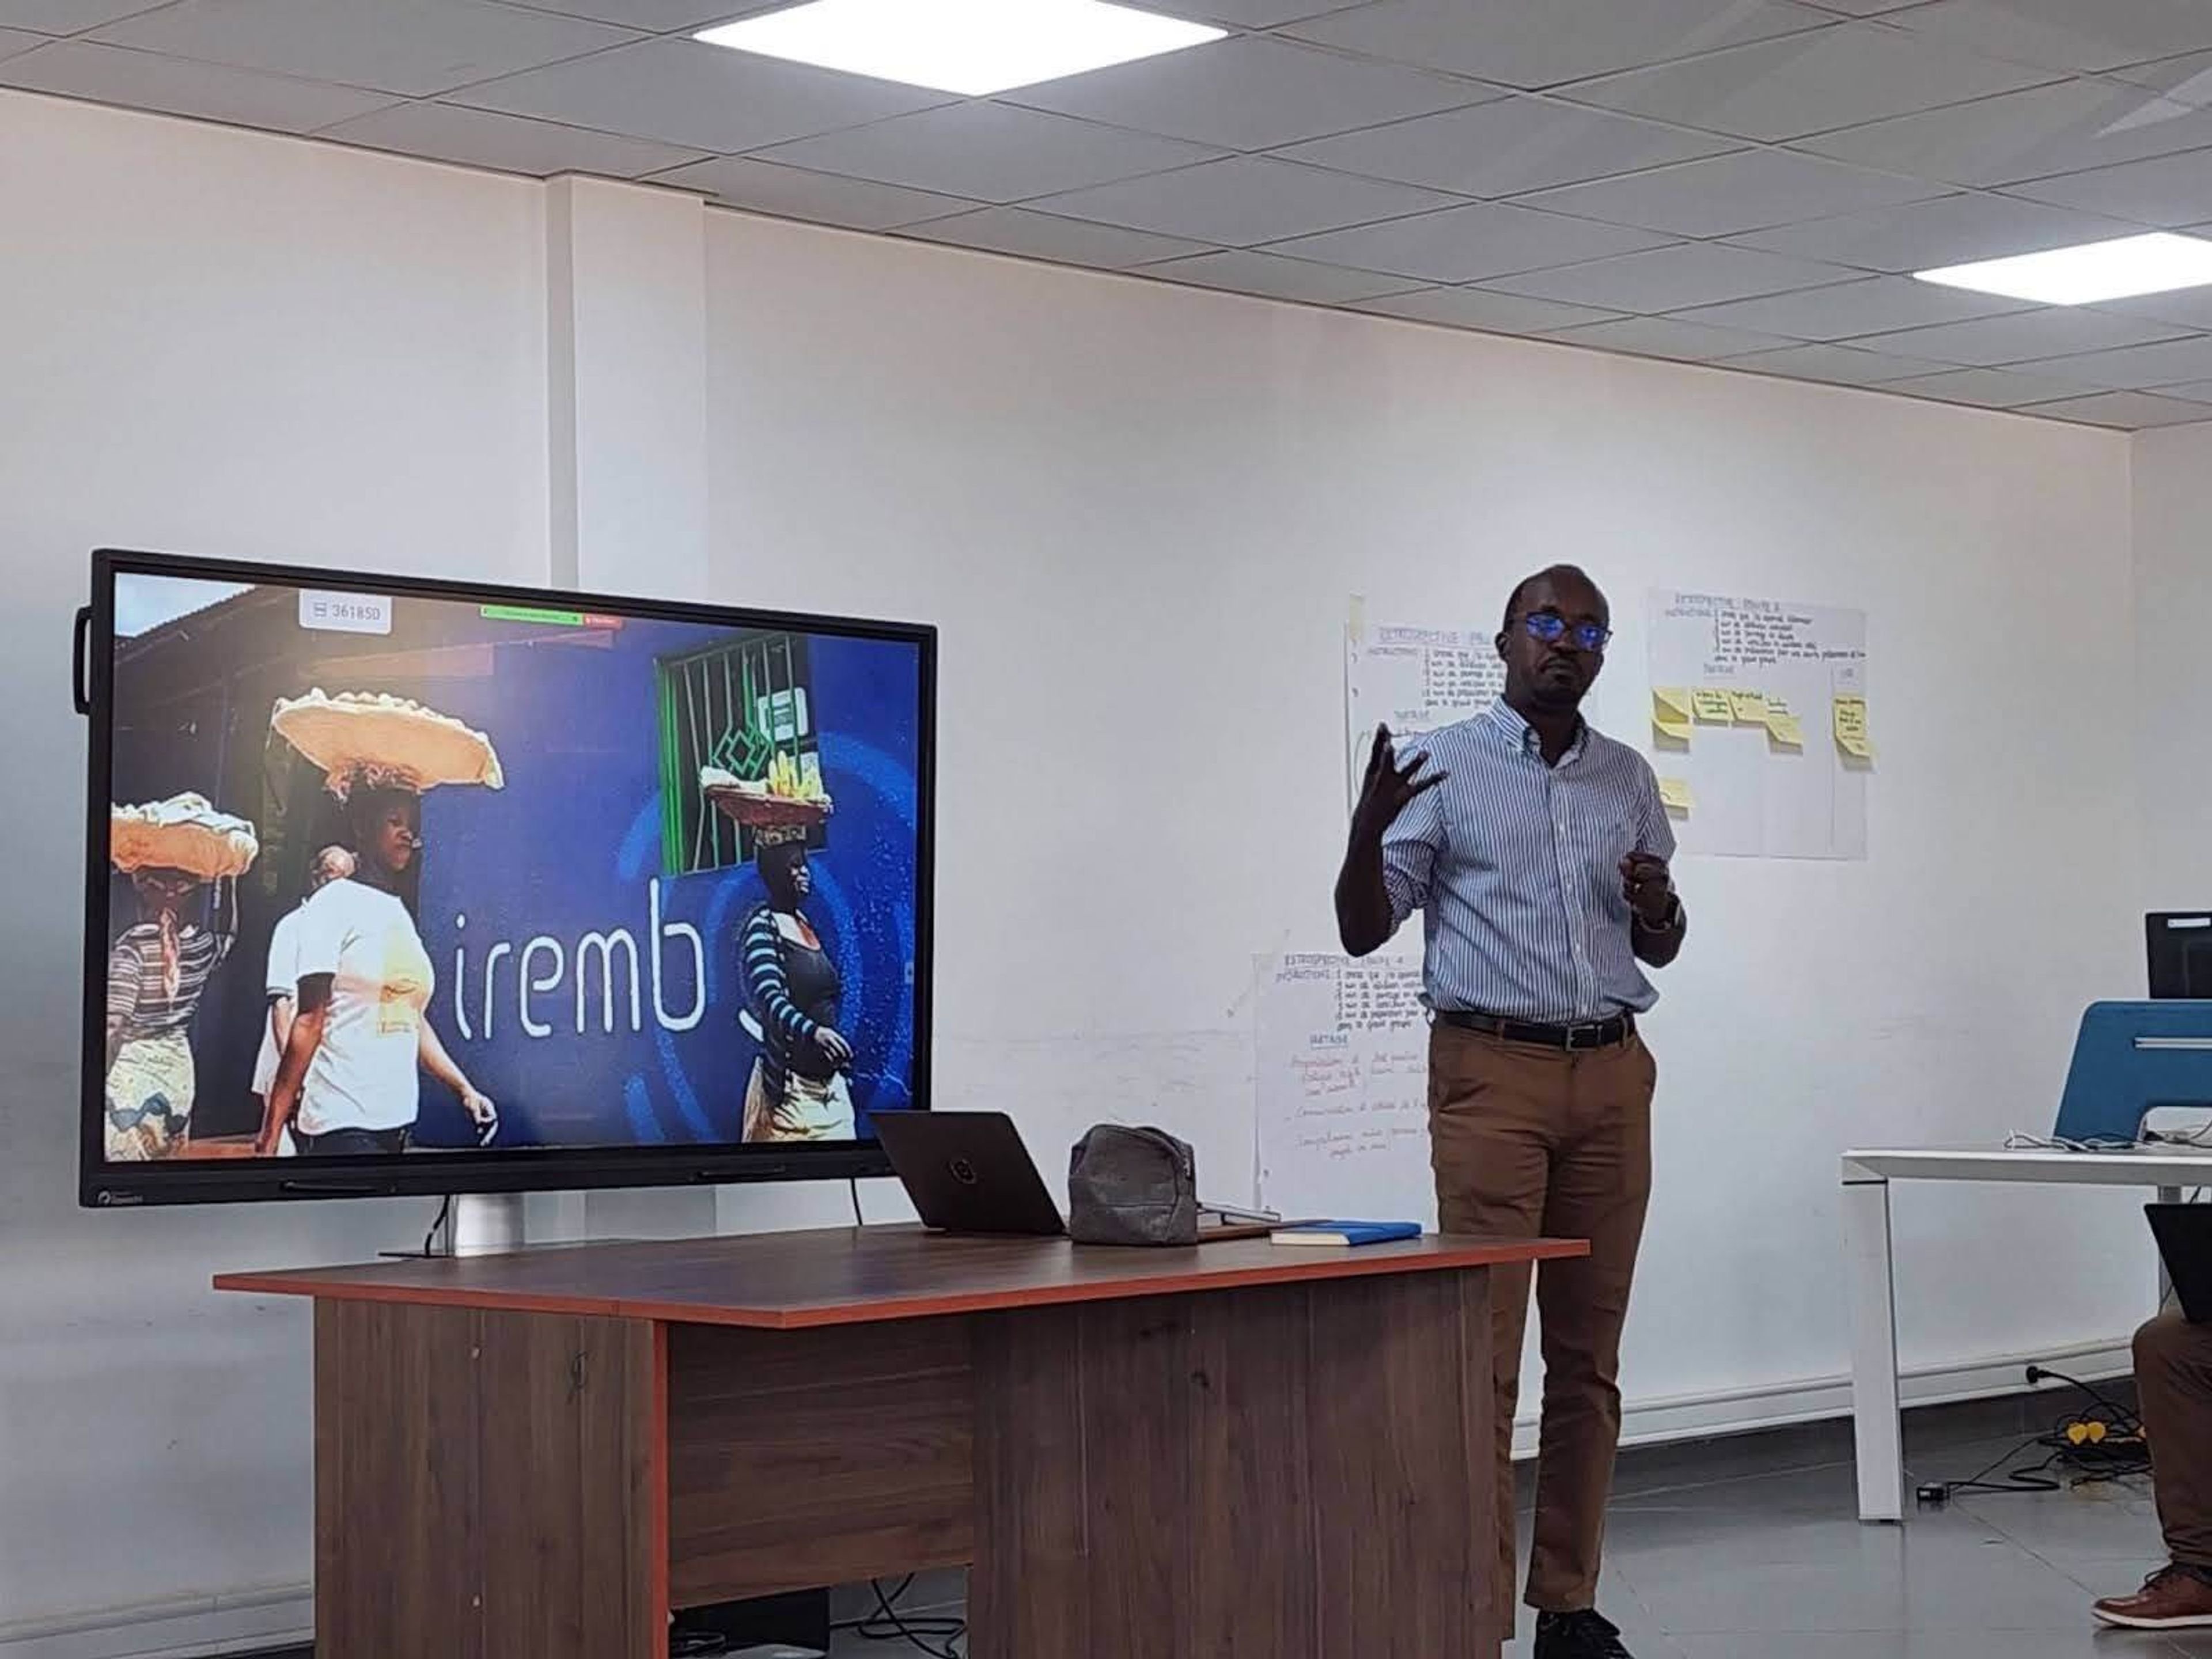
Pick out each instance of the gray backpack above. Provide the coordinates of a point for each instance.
(1132, 1187)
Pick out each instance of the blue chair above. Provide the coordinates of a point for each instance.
(2129, 1060)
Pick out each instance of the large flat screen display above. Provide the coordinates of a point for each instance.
(398, 886)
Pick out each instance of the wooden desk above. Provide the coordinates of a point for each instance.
(1238, 1451)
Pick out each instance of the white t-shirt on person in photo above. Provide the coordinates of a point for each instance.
(366, 1073)
(282, 980)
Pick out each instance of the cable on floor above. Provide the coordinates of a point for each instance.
(931, 1635)
(2099, 1445)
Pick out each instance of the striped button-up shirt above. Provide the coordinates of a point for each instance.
(1515, 866)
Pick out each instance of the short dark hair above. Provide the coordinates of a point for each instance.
(1521, 587)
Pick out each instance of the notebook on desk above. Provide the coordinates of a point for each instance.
(1337, 1234)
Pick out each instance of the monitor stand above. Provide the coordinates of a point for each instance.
(480, 1224)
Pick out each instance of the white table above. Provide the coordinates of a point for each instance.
(1875, 1424)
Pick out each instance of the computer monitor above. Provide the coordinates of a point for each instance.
(2178, 946)
(404, 886)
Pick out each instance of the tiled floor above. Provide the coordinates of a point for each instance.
(1749, 1550)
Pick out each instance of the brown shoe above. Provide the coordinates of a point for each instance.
(2172, 1598)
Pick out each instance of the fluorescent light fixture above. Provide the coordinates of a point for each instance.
(973, 47)
(2156, 264)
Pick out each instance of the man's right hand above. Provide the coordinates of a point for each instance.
(1387, 789)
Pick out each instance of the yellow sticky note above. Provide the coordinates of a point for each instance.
(1714, 707)
(1668, 731)
(1675, 795)
(1670, 702)
(1782, 728)
(1852, 728)
(1749, 708)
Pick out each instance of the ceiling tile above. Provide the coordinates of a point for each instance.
(1468, 244)
(1786, 88)
(708, 98)
(175, 86)
(2197, 392)
(795, 193)
(1249, 93)
(1836, 365)
(1662, 336)
(989, 153)
(68, 17)
(15, 41)
(415, 47)
(1674, 278)
(507, 143)
(1474, 308)
(1752, 190)
(2188, 78)
(2190, 307)
(1507, 146)
(1246, 14)
(1948, 231)
(656, 16)
(1542, 43)
(2170, 190)
(2131, 411)
(2169, 362)
(1243, 200)
(1276, 277)
(1984, 388)
(2061, 128)
(1029, 235)
(1879, 305)
(2023, 336)
(2069, 35)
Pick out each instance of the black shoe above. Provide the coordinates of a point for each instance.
(1585, 1635)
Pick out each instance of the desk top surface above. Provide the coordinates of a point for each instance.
(860, 1275)
(2146, 1166)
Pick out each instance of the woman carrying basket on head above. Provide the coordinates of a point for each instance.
(349, 1082)
(158, 967)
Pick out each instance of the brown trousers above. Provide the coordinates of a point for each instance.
(1530, 1142)
(2173, 1382)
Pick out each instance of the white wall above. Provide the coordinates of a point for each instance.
(212, 343)
(1138, 514)
(2173, 620)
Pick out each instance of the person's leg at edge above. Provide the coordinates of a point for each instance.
(1493, 1112)
(2173, 1381)
(1601, 1189)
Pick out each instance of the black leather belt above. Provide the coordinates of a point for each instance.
(1592, 1033)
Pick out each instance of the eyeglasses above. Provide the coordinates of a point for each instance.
(1551, 627)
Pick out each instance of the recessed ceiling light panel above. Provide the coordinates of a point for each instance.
(972, 48)
(2157, 263)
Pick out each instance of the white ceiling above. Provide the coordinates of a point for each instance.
(1739, 182)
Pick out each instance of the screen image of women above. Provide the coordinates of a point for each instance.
(798, 1089)
(158, 967)
(349, 1082)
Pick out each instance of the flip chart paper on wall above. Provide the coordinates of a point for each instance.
(1761, 790)
(1413, 680)
(1342, 1087)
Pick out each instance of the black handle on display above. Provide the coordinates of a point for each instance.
(80, 658)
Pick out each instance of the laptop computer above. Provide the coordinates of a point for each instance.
(2183, 1232)
(968, 1172)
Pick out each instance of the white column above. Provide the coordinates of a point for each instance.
(626, 320)
(1876, 1426)
(626, 363)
